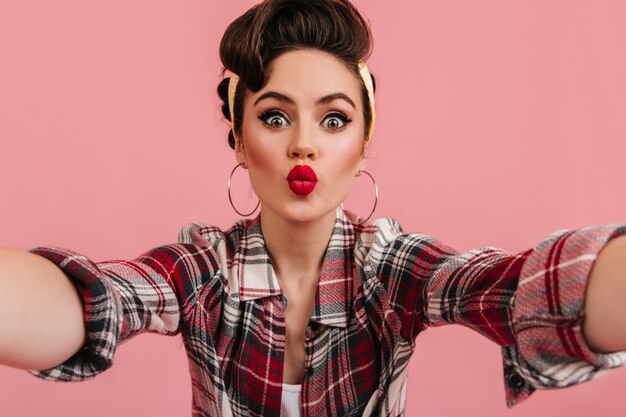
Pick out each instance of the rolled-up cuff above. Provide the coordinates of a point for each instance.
(550, 349)
(100, 314)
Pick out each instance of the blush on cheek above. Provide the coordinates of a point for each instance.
(260, 153)
(351, 157)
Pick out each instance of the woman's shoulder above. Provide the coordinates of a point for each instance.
(385, 228)
(384, 237)
(206, 234)
(373, 238)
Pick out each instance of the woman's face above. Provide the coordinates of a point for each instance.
(309, 113)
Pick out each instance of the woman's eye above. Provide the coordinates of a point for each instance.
(274, 119)
(336, 121)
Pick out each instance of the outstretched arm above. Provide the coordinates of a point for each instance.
(604, 324)
(63, 316)
(531, 303)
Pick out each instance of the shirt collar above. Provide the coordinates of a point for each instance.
(333, 297)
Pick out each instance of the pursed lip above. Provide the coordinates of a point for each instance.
(302, 179)
(302, 173)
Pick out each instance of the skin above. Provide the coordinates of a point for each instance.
(604, 325)
(297, 228)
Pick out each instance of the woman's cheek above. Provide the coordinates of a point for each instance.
(261, 155)
(349, 157)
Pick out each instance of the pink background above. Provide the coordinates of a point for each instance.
(498, 123)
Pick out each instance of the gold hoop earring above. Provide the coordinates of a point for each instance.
(375, 195)
(230, 177)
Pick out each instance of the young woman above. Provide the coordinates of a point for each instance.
(308, 309)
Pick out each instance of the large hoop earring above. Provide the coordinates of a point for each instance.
(375, 194)
(230, 177)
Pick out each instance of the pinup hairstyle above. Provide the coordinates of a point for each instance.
(273, 27)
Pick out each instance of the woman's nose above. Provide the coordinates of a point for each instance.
(302, 145)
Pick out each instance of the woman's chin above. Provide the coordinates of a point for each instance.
(303, 211)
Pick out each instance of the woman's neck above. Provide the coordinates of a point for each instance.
(296, 248)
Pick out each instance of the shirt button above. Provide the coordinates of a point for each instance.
(309, 370)
(515, 381)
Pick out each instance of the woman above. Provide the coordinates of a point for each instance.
(307, 308)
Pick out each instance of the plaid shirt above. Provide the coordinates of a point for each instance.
(378, 289)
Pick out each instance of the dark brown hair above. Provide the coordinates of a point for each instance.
(273, 27)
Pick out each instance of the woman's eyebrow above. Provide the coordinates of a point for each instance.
(336, 96)
(288, 100)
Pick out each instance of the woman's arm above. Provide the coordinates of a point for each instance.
(66, 323)
(604, 324)
(41, 313)
(531, 303)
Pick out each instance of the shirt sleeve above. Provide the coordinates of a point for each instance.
(530, 303)
(123, 298)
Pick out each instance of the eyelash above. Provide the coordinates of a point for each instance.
(271, 113)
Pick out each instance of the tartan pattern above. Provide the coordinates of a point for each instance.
(378, 289)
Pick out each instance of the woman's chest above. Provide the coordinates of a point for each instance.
(339, 366)
(297, 320)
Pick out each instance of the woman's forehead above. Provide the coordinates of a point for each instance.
(308, 73)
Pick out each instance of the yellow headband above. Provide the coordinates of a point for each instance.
(232, 89)
(363, 71)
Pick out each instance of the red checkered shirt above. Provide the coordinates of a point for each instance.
(378, 289)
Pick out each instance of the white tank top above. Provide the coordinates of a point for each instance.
(290, 401)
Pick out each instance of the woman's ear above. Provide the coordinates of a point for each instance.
(361, 167)
(240, 152)
(363, 160)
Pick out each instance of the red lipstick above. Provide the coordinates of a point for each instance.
(302, 179)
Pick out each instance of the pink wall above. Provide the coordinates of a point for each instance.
(498, 123)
